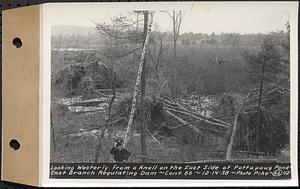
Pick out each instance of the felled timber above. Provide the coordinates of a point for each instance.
(108, 90)
(183, 121)
(196, 117)
(89, 103)
(218, 133)
(170, 104)
(185, 124)
(90, 111)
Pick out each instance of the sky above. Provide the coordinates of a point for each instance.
(243, 17)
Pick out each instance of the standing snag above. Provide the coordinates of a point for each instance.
(138, 80)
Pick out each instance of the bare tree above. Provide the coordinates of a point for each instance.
(176, 18)
(118, 31)
(158, 60)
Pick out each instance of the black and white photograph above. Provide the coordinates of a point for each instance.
(207, 83)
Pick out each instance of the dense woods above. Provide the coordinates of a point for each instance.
(171, 96)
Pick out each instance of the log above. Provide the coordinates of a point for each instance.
(90, 111)
(194, 127)
(88, 103)
(196, 117)
(249, 152)
(212, 119)
(166, 101)
(107, 90)
(206, 118)
(219, 133)
(195, 113)
(101, 94)
(183, 121)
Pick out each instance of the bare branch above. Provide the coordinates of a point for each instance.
(152, 136)
(167, 13)
(119, 56)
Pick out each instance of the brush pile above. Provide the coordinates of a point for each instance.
(170, 118)
(83, 78)
(273, 132)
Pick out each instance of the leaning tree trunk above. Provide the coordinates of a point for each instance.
(232, 137)
(138, 80)
(52, 133)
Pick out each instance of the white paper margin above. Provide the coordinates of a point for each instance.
(48, 10)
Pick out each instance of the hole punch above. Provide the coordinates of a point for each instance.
(17, 42)
(14, 144)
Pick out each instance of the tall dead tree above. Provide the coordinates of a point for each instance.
(259, 107)
(144, 122)
(176, 17)
(137, 88)
(156, 66)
